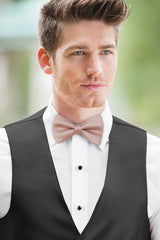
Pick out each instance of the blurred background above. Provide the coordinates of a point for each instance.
(24, 88)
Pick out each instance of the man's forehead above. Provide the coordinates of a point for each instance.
(95, 26)
(85, 33)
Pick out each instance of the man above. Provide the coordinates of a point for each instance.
(72, 171)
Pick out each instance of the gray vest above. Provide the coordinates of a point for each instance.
(38, 210)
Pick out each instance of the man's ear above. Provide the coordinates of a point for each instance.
(45, 60)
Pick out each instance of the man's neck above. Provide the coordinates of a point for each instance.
(76, 114)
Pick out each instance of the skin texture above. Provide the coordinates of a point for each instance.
(83, 69)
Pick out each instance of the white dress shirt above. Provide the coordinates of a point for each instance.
(82, 188)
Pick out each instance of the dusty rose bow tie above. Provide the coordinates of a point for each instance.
(91, 129)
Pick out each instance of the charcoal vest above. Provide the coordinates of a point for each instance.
(38, 210)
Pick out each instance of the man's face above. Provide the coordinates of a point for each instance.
(85, 64)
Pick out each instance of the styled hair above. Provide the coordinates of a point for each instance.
(56, 13)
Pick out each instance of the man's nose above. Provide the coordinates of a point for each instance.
(94, 67)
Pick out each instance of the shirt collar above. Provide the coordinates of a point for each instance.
(107, 123)
(50, 113)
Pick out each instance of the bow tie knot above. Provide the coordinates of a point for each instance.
(91, 129)
(77, 129)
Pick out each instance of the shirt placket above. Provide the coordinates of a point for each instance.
(79, 181)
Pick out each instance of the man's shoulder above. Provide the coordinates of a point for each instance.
(123, 123)
(32, 117)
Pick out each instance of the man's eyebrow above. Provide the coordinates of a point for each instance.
(107, 46)
(76, 47)
(84, 47)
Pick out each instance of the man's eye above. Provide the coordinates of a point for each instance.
(78, 53)
(106, 52)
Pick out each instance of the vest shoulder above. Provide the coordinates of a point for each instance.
(34, 116)
(121, 122)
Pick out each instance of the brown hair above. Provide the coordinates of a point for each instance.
(56, 13)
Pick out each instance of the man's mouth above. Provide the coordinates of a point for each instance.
(93, 86)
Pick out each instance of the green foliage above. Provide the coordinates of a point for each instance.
(18, 77)
(139, 61)
(19, 70)
(17, 0)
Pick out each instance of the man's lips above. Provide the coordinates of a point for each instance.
(93, 86)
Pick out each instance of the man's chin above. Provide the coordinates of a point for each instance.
(93, 104)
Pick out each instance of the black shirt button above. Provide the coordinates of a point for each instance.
(80, 167)
(79, 208)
